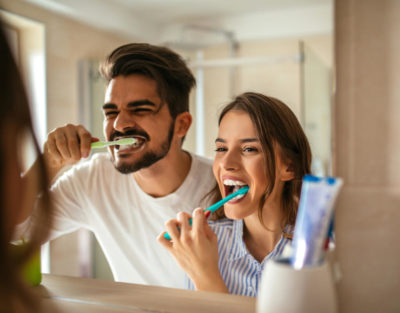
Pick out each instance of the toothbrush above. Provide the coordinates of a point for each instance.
(216, 206)
(123, 141)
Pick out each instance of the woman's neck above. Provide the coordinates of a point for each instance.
(261, 239)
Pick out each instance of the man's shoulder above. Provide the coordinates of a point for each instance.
(202, 165)
(100, 157)
(202, 160)
(99, 162)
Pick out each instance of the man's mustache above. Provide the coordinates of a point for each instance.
(130, 133)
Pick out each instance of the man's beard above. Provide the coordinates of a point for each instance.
(150, 157)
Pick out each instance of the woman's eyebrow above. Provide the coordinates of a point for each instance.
(241, 140)
(250, 140)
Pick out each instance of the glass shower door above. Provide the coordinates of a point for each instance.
(316, 86)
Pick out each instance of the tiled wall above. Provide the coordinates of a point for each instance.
(367, 153)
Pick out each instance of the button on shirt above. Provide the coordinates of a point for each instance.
(239, 269)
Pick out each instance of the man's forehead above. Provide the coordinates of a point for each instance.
(133, 87)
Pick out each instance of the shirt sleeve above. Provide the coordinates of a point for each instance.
(69, 205)
(70, 202)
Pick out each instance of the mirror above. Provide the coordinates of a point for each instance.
(280, 48)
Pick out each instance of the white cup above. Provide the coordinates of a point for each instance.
(284, 289)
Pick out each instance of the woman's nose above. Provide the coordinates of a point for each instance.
(230, 161)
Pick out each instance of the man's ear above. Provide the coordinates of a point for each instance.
(287, 171)
(182, 124)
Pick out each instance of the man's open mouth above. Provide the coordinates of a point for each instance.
(139, 141)
(232, 186)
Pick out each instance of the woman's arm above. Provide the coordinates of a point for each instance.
(195, 248)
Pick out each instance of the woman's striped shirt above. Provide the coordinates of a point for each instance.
(239, 269)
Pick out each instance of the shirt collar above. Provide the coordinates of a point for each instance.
(238, 248)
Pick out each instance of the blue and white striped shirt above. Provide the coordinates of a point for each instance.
(239, 269)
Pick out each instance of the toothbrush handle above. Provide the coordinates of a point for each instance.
(216, 206)
(97, 144)
(210, 209)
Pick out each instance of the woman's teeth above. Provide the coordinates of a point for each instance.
(238, 197)
(232, 186)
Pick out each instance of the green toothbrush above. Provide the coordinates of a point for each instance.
(120, 142)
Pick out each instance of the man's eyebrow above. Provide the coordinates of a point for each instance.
(140, 103)
(242, 140)
(109, 106)
(131, 104)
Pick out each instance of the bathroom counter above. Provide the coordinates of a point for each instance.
(71, 294)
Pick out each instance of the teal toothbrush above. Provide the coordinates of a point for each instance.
(120, 142)
(217, 205)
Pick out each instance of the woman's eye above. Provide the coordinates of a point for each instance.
(220, 149)
(250, 149)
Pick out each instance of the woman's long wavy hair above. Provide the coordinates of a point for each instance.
(275, 124)
(14, 110)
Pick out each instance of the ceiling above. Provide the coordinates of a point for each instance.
(167, 20)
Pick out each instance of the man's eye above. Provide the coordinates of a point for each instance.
(138, 110)
(110, 113)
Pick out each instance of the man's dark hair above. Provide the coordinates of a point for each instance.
(174, 79)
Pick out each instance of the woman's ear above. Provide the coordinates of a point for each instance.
(182, 124)
(287, 171)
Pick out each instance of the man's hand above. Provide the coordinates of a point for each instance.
(195, 249)
(66, 146)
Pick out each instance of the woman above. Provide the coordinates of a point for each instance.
(260, 144)
(16, 193)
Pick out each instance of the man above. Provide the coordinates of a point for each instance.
(147, 99)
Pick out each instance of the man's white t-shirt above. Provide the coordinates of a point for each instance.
(125, 220)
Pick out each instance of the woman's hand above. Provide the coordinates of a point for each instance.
(195, 248)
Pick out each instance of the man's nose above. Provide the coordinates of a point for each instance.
(123, 121)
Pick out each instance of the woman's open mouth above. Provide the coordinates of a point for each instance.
(231, 186)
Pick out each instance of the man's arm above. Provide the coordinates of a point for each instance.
(64, 146)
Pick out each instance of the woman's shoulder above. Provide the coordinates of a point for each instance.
(222, 226)
(288, 232)
(222, 222)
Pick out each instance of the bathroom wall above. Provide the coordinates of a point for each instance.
(367, 153)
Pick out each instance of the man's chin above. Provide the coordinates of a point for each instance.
(126, 167)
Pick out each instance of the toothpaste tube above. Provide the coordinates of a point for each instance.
(315, 212)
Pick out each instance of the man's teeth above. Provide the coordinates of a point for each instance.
(126, 147)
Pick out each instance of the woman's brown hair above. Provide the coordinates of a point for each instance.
(14, 110)
(275, 123)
